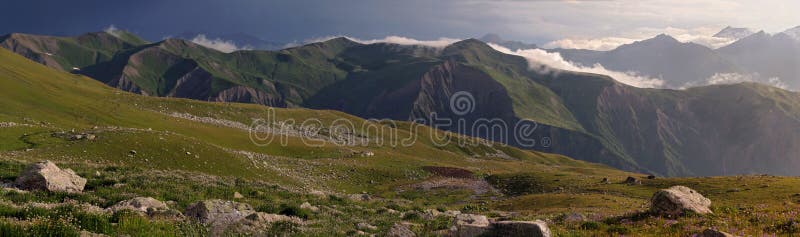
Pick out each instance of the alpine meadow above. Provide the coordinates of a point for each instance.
(383, 118)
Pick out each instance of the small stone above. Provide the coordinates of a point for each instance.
(359, 197)
(237, 195)
(309, 207)
(632, 181)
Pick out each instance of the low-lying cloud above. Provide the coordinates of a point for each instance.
(537, 58)
(221, 45)
(734, 78)
(393, 39)
(601, 44)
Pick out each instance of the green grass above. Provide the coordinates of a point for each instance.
(533, 185)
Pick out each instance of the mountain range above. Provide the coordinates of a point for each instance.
(752, 57)
(711, 130)
(510, 44)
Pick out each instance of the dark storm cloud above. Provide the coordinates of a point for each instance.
(291, 20)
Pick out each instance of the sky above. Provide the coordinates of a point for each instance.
(588, 24)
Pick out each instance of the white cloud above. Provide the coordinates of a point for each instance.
(537, 57)
(393, 39)
(217, 44)
(438, 43)
(733, 78)
(113, 30)
(602, 44)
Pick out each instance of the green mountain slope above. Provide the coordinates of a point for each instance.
(585, 116)
(67, 53)
(188, 150)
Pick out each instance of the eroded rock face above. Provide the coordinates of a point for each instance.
(145, 205)
(45, 175)
(678, 200)
(218, 211)
(536, 228)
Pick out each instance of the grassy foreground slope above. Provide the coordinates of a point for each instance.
(189, 150)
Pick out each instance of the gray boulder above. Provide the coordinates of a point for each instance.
(218, 211)
(536, 228)
(469, 225)
(146, 205)
(45, 175)
(678, 200)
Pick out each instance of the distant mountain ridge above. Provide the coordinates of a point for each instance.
(510, 44)
(752, 57)
(661, 57)
(585, 116)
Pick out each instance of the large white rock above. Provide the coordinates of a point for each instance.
(45, 175)
(678, 200)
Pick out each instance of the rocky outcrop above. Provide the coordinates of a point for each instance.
(244, 94)
(196, 84)
(679, 200)
(471, 225)
(218, 211)
(45, 175)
